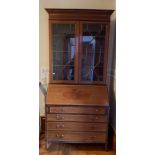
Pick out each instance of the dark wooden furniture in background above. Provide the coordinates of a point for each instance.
(77, 105)
(41, 118)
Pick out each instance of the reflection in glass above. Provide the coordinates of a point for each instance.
(92, 52)
(63, 41)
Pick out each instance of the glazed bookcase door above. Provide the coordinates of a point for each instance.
(92, 52)
(63, 52)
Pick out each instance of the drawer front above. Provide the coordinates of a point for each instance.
(77, 118)
(76, 136)
(77, 109)
(76, 126)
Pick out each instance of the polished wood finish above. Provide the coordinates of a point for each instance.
(77, 95)
(77, 118)
(77, 126)
(64, 106)
(72, 137)
(77, 109)
(75, 113)
(79, 14)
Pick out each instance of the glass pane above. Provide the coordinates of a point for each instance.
(92, 52)
(63, 49)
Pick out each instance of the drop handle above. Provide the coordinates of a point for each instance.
(60, 126)
(59, 136)
(62, 136)
(96, 110)
(96, 117)
(59, 117)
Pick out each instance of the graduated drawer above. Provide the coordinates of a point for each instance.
(77, 136)
(77, 126)
(77, 118)
(77, 109)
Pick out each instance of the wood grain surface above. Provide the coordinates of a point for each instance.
(77, 95)
(77, 126)
(77, 118)
(77, 109)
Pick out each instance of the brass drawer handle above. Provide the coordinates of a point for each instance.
(59, 117)
(60, 126)
(96, 117)
(62, 136)
(96, 110)
(59, 136)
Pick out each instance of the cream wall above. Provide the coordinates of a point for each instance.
(43, 29)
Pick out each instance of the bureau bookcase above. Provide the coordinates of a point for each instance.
(77, 104)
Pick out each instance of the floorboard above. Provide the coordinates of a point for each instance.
(76, 149)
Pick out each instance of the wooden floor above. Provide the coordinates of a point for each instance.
(76, 149)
